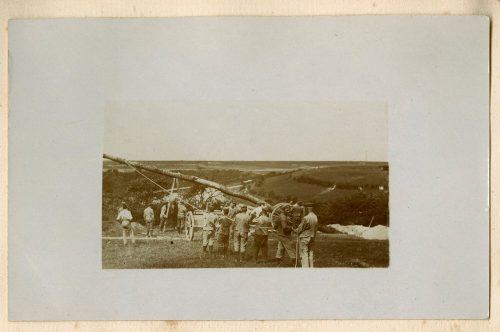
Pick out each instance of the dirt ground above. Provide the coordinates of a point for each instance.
(174, 251)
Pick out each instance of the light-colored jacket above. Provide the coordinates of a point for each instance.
(163, 212)
(210, 220)
(308, 226)
(149, 214)
(181, 211)
(262, 224)
(124, 215)
(242, 222)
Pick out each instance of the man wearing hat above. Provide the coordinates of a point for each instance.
(262, 224)
(209, 230)
(241, 229)
(163, 217)
(307, 233)
(232, 210)
(224, 228)
(181, 216)
(149, 218)
(283, 234)
(125, 219)
(257, 211)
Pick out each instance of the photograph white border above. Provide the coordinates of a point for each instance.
(43, 9)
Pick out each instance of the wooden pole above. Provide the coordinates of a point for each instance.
(169, 203)
(189, 178)
(371, 221)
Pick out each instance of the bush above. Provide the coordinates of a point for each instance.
(356, 209)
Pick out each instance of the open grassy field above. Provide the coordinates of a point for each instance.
(285, 185)
(353, 174)
(332, 250)
(316, 184)
(248, 166)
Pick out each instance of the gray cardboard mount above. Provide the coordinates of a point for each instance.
(432, 72)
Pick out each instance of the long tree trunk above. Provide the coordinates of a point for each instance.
(190, 178)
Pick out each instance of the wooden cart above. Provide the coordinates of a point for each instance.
(196, 219)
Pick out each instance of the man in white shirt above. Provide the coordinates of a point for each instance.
(257, 211)
(125, 219)
(209, 230)
(163, 218)
(149, 217)
(307, 233)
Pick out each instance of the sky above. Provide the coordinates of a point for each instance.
(246, 130)
(195, 90)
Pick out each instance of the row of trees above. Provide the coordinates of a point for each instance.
(338, 185)
(136, 190)
(360, 208)
(355, 208)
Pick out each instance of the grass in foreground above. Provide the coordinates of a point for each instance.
(332, 250)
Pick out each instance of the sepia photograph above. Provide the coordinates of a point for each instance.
(190, 213)
(250, 168)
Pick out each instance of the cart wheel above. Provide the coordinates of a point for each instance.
(189, 229)
(277, 210)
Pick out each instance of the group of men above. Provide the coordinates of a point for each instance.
(235, 224)
(125, 219)
(301, 219)
(177, 211)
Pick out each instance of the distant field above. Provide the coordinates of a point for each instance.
(353, 174)
(248, 166)
(284, 185)
(299, 184)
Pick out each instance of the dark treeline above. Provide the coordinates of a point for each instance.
(331, 183)
(357, 208)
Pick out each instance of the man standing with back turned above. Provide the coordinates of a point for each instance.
(209, 231)
(307, 233)
(181, 216)
(241, 229)
(263, 223)
(224, 228)
(149, 218)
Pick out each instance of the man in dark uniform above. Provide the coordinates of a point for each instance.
(240, 234)
(283, 234)
(224, 227)
(262, 223)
